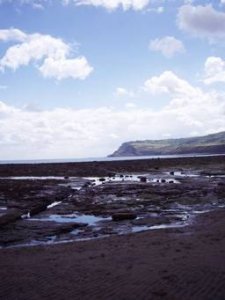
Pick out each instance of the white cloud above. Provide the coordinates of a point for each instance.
(202, 21)
(66, 132)
(160, 9)
(110, 5)
(77, 68)
(214, 70)
(168, 46)
(122, 92)
(114, 4)
(130, 105)
(157, 9)
(51, 55)
(12, 34)
(169, 83)
(36, 4)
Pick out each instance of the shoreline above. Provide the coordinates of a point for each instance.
(101, 168)
(104, 159)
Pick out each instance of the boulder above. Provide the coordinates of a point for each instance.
(142, 178)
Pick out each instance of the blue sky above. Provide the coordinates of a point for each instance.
(78, 78)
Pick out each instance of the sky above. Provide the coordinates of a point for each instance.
(80, 77)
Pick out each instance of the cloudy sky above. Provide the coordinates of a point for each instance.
(79, 77)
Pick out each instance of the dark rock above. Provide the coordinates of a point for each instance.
(151, 221)
(111, 174)
(87, 184)
(143, 179)
(38, 208)
(10, 217)
(102, 179)
(124, 216)
(65, 228)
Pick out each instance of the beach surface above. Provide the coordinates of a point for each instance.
(186, 262)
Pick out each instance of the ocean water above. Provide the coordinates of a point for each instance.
(92, 159)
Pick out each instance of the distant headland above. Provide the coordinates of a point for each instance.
(209, 144)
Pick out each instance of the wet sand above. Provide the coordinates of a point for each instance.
(180, 263)
(187, 263)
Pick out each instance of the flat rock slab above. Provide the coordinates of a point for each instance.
(124, 216)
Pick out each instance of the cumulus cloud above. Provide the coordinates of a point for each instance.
(169, 83)
(202, 21)
(67, 132)
(52, 55)
(113, 4)
(130, 105)
(110, 5)
(12, 34)
(214, 70)
(167, 45)
(189, 104)
(121, 92)
(77, 68)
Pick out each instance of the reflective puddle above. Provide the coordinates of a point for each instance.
(90, 220)
(144, 178)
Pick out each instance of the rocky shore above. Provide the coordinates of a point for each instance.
(146, 229)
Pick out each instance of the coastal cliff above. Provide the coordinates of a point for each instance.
(209, 144)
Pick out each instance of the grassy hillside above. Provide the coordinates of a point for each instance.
(209, 144)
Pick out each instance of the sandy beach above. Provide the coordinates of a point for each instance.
(186, 263)
(174, 263)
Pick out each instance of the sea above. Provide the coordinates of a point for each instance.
(93, 159)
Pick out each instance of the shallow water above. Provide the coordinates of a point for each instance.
(33, 178)
(182, 174)
(96, 181)
(177, 214)
(56, 203)
(91, 220)
(3, 208)
(53, 240)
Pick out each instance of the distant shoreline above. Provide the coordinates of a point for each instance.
(104, 167)
(104, 159)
